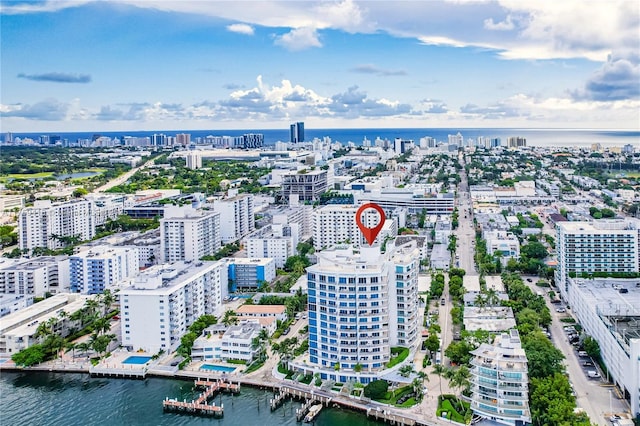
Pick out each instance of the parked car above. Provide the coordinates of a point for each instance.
(582, 353)
(529, 280)
(561, 310)
(593, 374)
(587, 364)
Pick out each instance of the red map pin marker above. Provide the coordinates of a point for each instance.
(370, 234)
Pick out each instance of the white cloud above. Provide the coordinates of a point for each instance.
(505, 25)
(299, 39)
(515, 29)
(241, 29)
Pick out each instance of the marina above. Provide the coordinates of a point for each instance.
(201, 404)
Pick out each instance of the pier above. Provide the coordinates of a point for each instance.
(201, 404)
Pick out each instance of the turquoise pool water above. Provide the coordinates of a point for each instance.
(222, 368)
(136, 359)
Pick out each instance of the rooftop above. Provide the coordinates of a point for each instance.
(166, 277)
(261, 309)
(25, 321)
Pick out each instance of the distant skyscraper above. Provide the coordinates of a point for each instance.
(516, 142)
(183, 139)
(158, 139)
(297, 132)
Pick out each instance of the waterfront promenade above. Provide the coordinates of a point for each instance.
(421, 414)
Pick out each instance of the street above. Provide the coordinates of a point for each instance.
(592, 395)
(123, 178)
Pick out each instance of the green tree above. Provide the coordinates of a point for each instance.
(30, 356)
(459, 352)
(552, 402)
(376, 389)
(543, 358)
(534, 250)
(591, 347)
(79, 192)
(432, 343)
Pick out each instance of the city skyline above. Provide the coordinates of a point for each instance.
(132, 65)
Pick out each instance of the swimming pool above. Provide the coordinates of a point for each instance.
(221, 368)
(136, 359)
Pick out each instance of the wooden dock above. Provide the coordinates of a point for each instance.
(201, 404)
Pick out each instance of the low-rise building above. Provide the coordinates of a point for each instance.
(219, 343)
(504, 244)
(488, 318)
(18, 330)
(278, 312)
(250, 273)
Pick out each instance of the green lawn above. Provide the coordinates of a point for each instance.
(398, 354)
(451, 406)
(40, 175)
(392, 397)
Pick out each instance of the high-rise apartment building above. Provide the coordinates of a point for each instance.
(516, 142)
(278, 242)
(193, 160)
(361, 303)
(236, 217)
(188, 234)
(158, 139)
(308, 185)
(604, 246)
(164, 300)
(296, 131)
(102, 267)
(499, 381)
(336, 224)
(46, 224)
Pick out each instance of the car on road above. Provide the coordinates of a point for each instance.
(442, 301)
(529, 280)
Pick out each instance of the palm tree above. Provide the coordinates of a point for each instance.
(91, 306)
(406, 370)
(229, 318)
(459, 379)
(83, 347)
(440, 370)
(416, 384)
(43, 330)
(480, 301)
(101, 325)
(492, 297)
(70, 346)
(107, 300)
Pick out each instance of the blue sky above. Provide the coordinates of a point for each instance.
(91, 65)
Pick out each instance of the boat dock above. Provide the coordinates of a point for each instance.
(201, 404)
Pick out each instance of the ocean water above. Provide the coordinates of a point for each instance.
(535, 137)
(56, 399)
